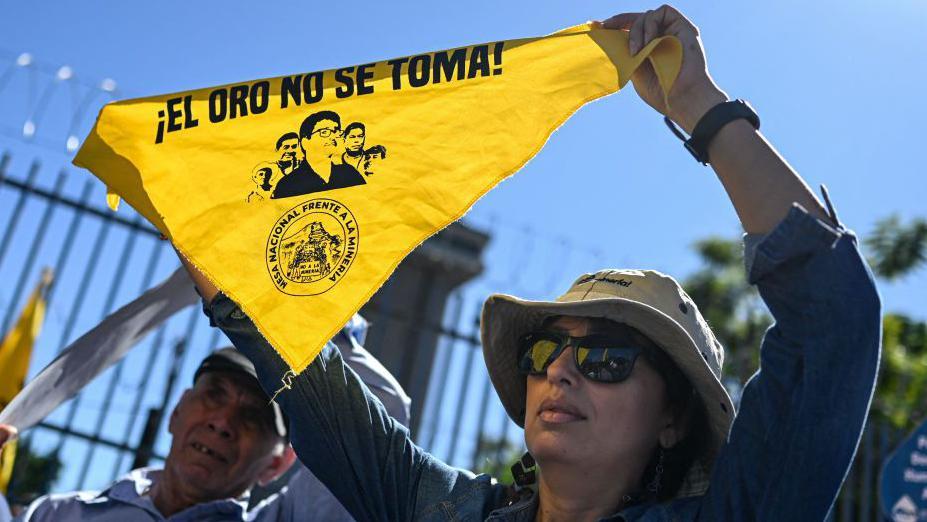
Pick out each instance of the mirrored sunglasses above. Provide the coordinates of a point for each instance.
(598, 357)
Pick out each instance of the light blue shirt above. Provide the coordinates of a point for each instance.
(128, 499)
(5, 515)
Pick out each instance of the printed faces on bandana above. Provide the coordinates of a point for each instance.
(318, 156)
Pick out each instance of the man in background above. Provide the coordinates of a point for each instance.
(228, 438)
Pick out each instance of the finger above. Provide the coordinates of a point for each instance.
(671, 15)
(672, 22)
(637, 33)
(652, 26)
(7, 433)
(621, 21)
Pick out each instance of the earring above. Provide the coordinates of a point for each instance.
(523, 470)
(656, 482)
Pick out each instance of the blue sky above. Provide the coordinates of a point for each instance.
(836, 85)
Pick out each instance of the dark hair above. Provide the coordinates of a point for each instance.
(308, 125)
(355, 125)
(685, 404)
(287, 136)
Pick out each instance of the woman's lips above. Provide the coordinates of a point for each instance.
(558, 411)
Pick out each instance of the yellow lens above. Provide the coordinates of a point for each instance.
(540, 352)
(581, 354)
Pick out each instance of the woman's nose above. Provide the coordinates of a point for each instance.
(562, 370)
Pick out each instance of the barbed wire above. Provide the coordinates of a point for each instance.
(43, 83)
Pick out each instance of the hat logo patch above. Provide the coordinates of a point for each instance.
(605, 279)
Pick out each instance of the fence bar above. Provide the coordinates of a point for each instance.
(114, 287)
(445, 364)
(25, 189)
(31, 255)
(4, 163)
(117, 372)
(65, 251)
(415, 337)
(153, 351)
(156, 415)
(147, 441)
(181, 350)
(102, 234)
(472, 356)
(481, 422)
(105, 215)
(66, 431)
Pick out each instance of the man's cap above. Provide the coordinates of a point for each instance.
(229, 359)
(649, 301)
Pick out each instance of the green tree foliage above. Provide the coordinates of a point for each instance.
(731, 306)
(901, 394)
(739, 319)
(897, 249)
(495, 456)
(33, 473)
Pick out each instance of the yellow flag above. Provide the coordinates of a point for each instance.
(298, 196)
(15, 353)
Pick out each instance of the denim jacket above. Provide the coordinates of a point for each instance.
(791, 444)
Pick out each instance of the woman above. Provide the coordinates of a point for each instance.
(617, 381)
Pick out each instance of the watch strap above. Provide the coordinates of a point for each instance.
(712, 122)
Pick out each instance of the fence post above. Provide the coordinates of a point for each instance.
(145, 448)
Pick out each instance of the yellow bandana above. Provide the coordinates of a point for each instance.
(298, 196)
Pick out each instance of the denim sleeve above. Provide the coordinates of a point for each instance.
(375, 376)
(803, 412)
(344, 436)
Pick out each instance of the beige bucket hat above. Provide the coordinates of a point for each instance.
(650, 301)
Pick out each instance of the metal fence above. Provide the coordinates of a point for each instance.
(101, 260)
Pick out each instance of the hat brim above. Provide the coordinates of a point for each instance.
(506, 318)
(225, 364)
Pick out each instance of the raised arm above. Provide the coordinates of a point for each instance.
(802, 413)
(204, 286)
(761, 185)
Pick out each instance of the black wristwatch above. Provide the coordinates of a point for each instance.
(712, 122)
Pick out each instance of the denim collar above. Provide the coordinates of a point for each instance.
(525, 510)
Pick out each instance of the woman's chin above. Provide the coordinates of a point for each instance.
(554, 446)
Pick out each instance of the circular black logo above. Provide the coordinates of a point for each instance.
(311, 247)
